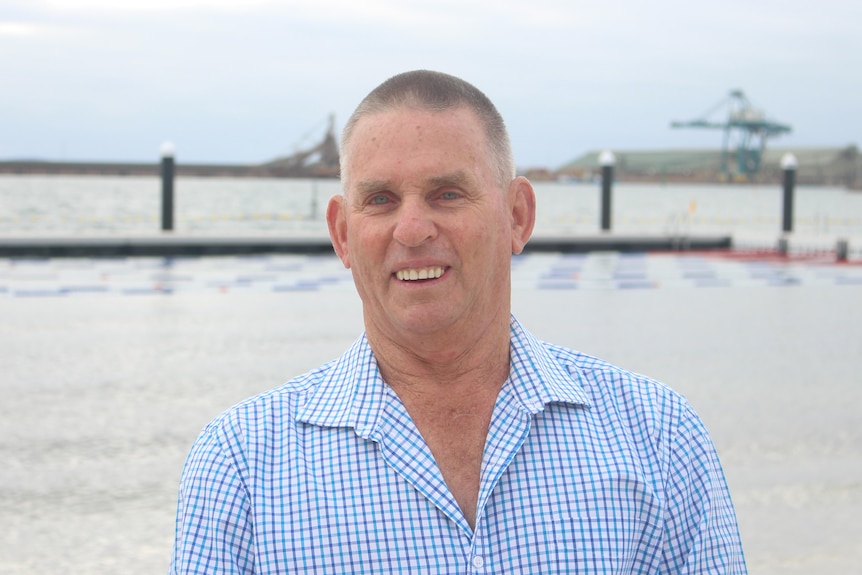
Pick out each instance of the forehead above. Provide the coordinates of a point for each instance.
(408, 136)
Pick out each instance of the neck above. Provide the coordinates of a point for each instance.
(449, 383)
(445, 364)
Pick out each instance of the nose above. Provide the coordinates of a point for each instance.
(415, 223)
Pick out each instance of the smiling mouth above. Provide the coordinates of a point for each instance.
(412, 275)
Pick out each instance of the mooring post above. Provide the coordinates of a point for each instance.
(788, 164)
(842, 250)
(783, 246)
(167, 186)
(606, 161)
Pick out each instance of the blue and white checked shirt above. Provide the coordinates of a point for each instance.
(587, 469)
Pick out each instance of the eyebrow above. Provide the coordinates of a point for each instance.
(366, 187)
(459, 179)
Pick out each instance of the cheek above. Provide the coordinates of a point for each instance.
(368, 251)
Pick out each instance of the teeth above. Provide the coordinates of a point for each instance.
(420, 274)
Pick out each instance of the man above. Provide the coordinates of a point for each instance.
(448, 439)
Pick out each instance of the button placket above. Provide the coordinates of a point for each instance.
(478, 556)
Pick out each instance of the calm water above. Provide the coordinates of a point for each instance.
(104, 389)
(88, 204)
(103, 396)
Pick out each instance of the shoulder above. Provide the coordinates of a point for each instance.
(268, 412)
(608, 390)
(632, 392)
(658, 419)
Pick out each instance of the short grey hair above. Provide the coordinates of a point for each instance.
(435, 91)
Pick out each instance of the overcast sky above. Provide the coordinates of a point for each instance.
(245, 81)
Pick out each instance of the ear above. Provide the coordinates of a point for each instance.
(522, 200)
(336, 221)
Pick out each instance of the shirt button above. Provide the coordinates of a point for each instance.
(478, 562)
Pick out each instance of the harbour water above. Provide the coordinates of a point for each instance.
(126, 205)
(109, 368)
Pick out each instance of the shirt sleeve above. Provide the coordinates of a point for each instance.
(701, 529)
(213, 528)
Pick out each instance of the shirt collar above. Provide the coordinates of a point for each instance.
(538, 377)
(352, 393)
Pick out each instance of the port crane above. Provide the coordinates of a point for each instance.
(746, 129)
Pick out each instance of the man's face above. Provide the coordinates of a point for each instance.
(425, 226)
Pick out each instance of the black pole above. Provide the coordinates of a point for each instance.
(167, 187)
(842, 248)
(606, 160)
(788, 163)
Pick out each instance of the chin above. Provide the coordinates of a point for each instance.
(425, 323)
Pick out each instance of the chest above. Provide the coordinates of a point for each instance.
(457, 445)
(334, 502)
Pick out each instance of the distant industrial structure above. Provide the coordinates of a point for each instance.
(743, 156)
(317, 161)
(746, 130)
(816, 166)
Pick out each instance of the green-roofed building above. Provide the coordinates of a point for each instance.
(816, 166)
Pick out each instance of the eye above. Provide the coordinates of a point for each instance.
(450, 195)
(379, 200)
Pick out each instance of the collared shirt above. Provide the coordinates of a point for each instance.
(587, 468)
